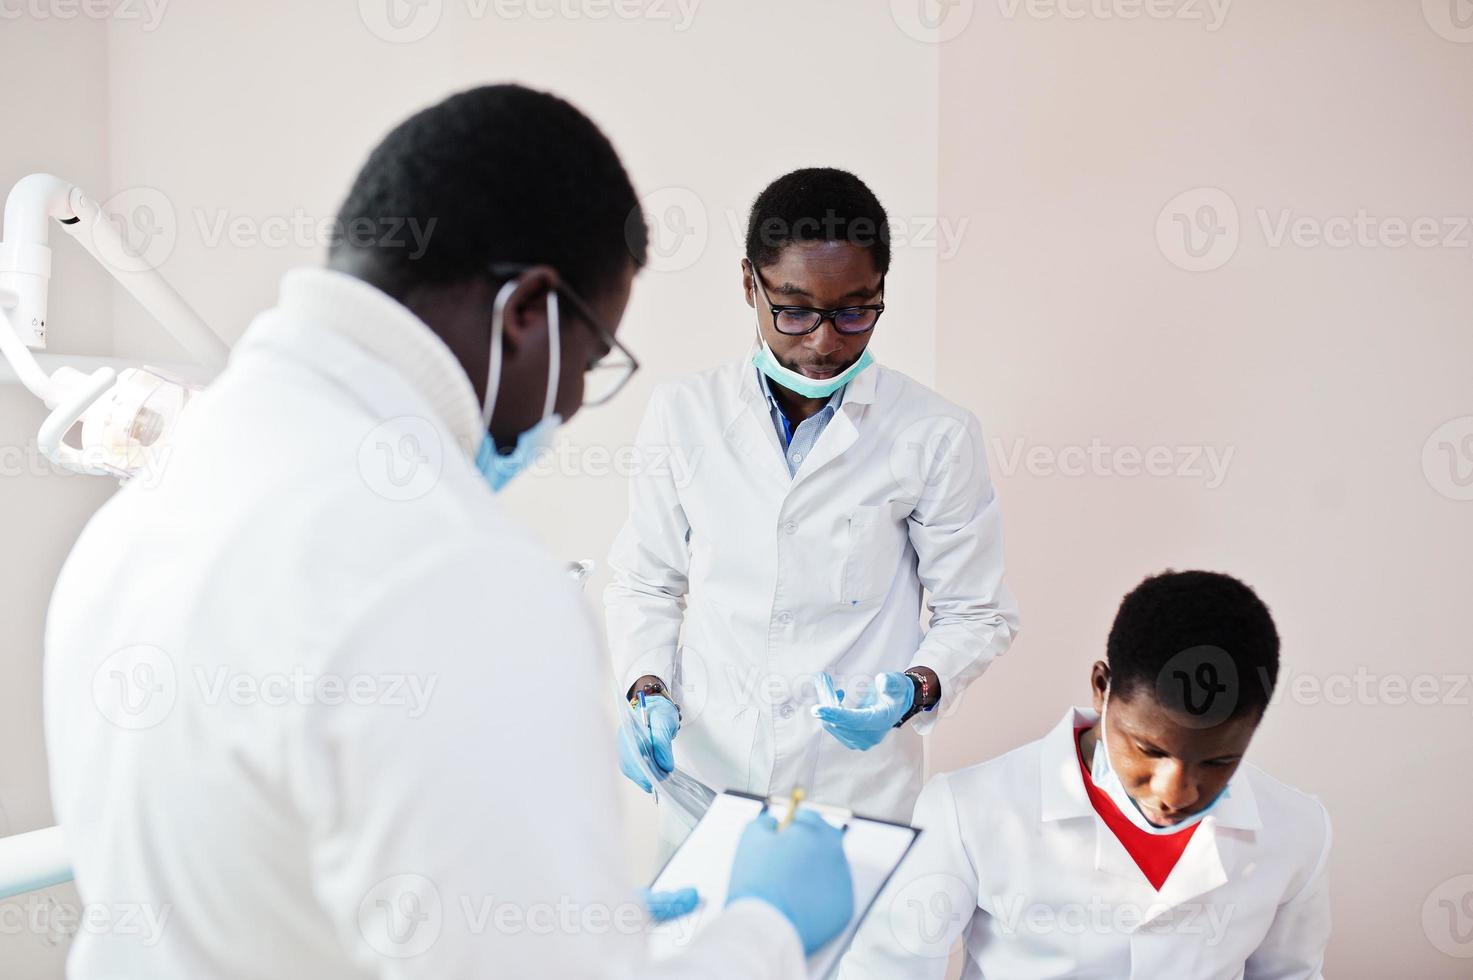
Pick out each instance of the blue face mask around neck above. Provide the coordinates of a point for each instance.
(499, 468)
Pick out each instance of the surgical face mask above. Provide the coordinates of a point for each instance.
(1102, 773)
(803, 385)
(499, 468)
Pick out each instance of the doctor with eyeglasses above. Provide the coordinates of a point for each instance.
(829, 495)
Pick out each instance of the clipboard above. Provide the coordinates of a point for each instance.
(875, 849)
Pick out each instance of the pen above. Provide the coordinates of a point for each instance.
(792, 808)
(644, 714)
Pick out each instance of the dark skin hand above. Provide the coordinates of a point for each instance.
(824, 275)
(460, 313)
(1170, 767)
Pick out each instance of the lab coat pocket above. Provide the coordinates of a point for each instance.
(872, 555)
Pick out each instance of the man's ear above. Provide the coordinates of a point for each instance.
(525, 312)
(1099, 679)
(749, 288)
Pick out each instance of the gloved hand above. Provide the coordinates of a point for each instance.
(801, 871)
(664, 724)
(665, 906)
(866, 724)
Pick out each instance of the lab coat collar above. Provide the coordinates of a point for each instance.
(1062, 785)
(385, 328)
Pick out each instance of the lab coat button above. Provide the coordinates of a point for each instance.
(791, 527)
(784, 617)
(786, 711)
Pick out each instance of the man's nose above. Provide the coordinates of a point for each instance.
(825, 340)
(1173, 786)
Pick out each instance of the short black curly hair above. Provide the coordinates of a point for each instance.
(1176, 624)
(817, 204)
(506, 174)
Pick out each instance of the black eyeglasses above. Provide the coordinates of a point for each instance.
(795, 321)
(611, 367)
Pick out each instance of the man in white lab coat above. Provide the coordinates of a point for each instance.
(1132, 840)
(819, 494)
(314, 698)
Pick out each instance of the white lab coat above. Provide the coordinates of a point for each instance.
(774, 578)
(1013, 858)
(317, 701)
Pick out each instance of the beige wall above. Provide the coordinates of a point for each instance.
(1026, 161)
(1323, 370)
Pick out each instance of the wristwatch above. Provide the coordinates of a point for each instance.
(649, 689)
(925, 692)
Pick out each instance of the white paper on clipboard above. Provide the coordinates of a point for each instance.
(874, 848)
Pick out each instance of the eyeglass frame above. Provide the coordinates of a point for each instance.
(583, 312)
(822, 314)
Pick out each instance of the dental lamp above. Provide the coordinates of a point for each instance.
(122, 417)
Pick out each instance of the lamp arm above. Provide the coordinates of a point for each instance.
(99, 235)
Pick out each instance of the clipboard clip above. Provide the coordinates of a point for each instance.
(779, 805)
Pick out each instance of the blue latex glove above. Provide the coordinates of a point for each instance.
(665, 906)
(800, 871)
(865, 725)
(664, 724)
